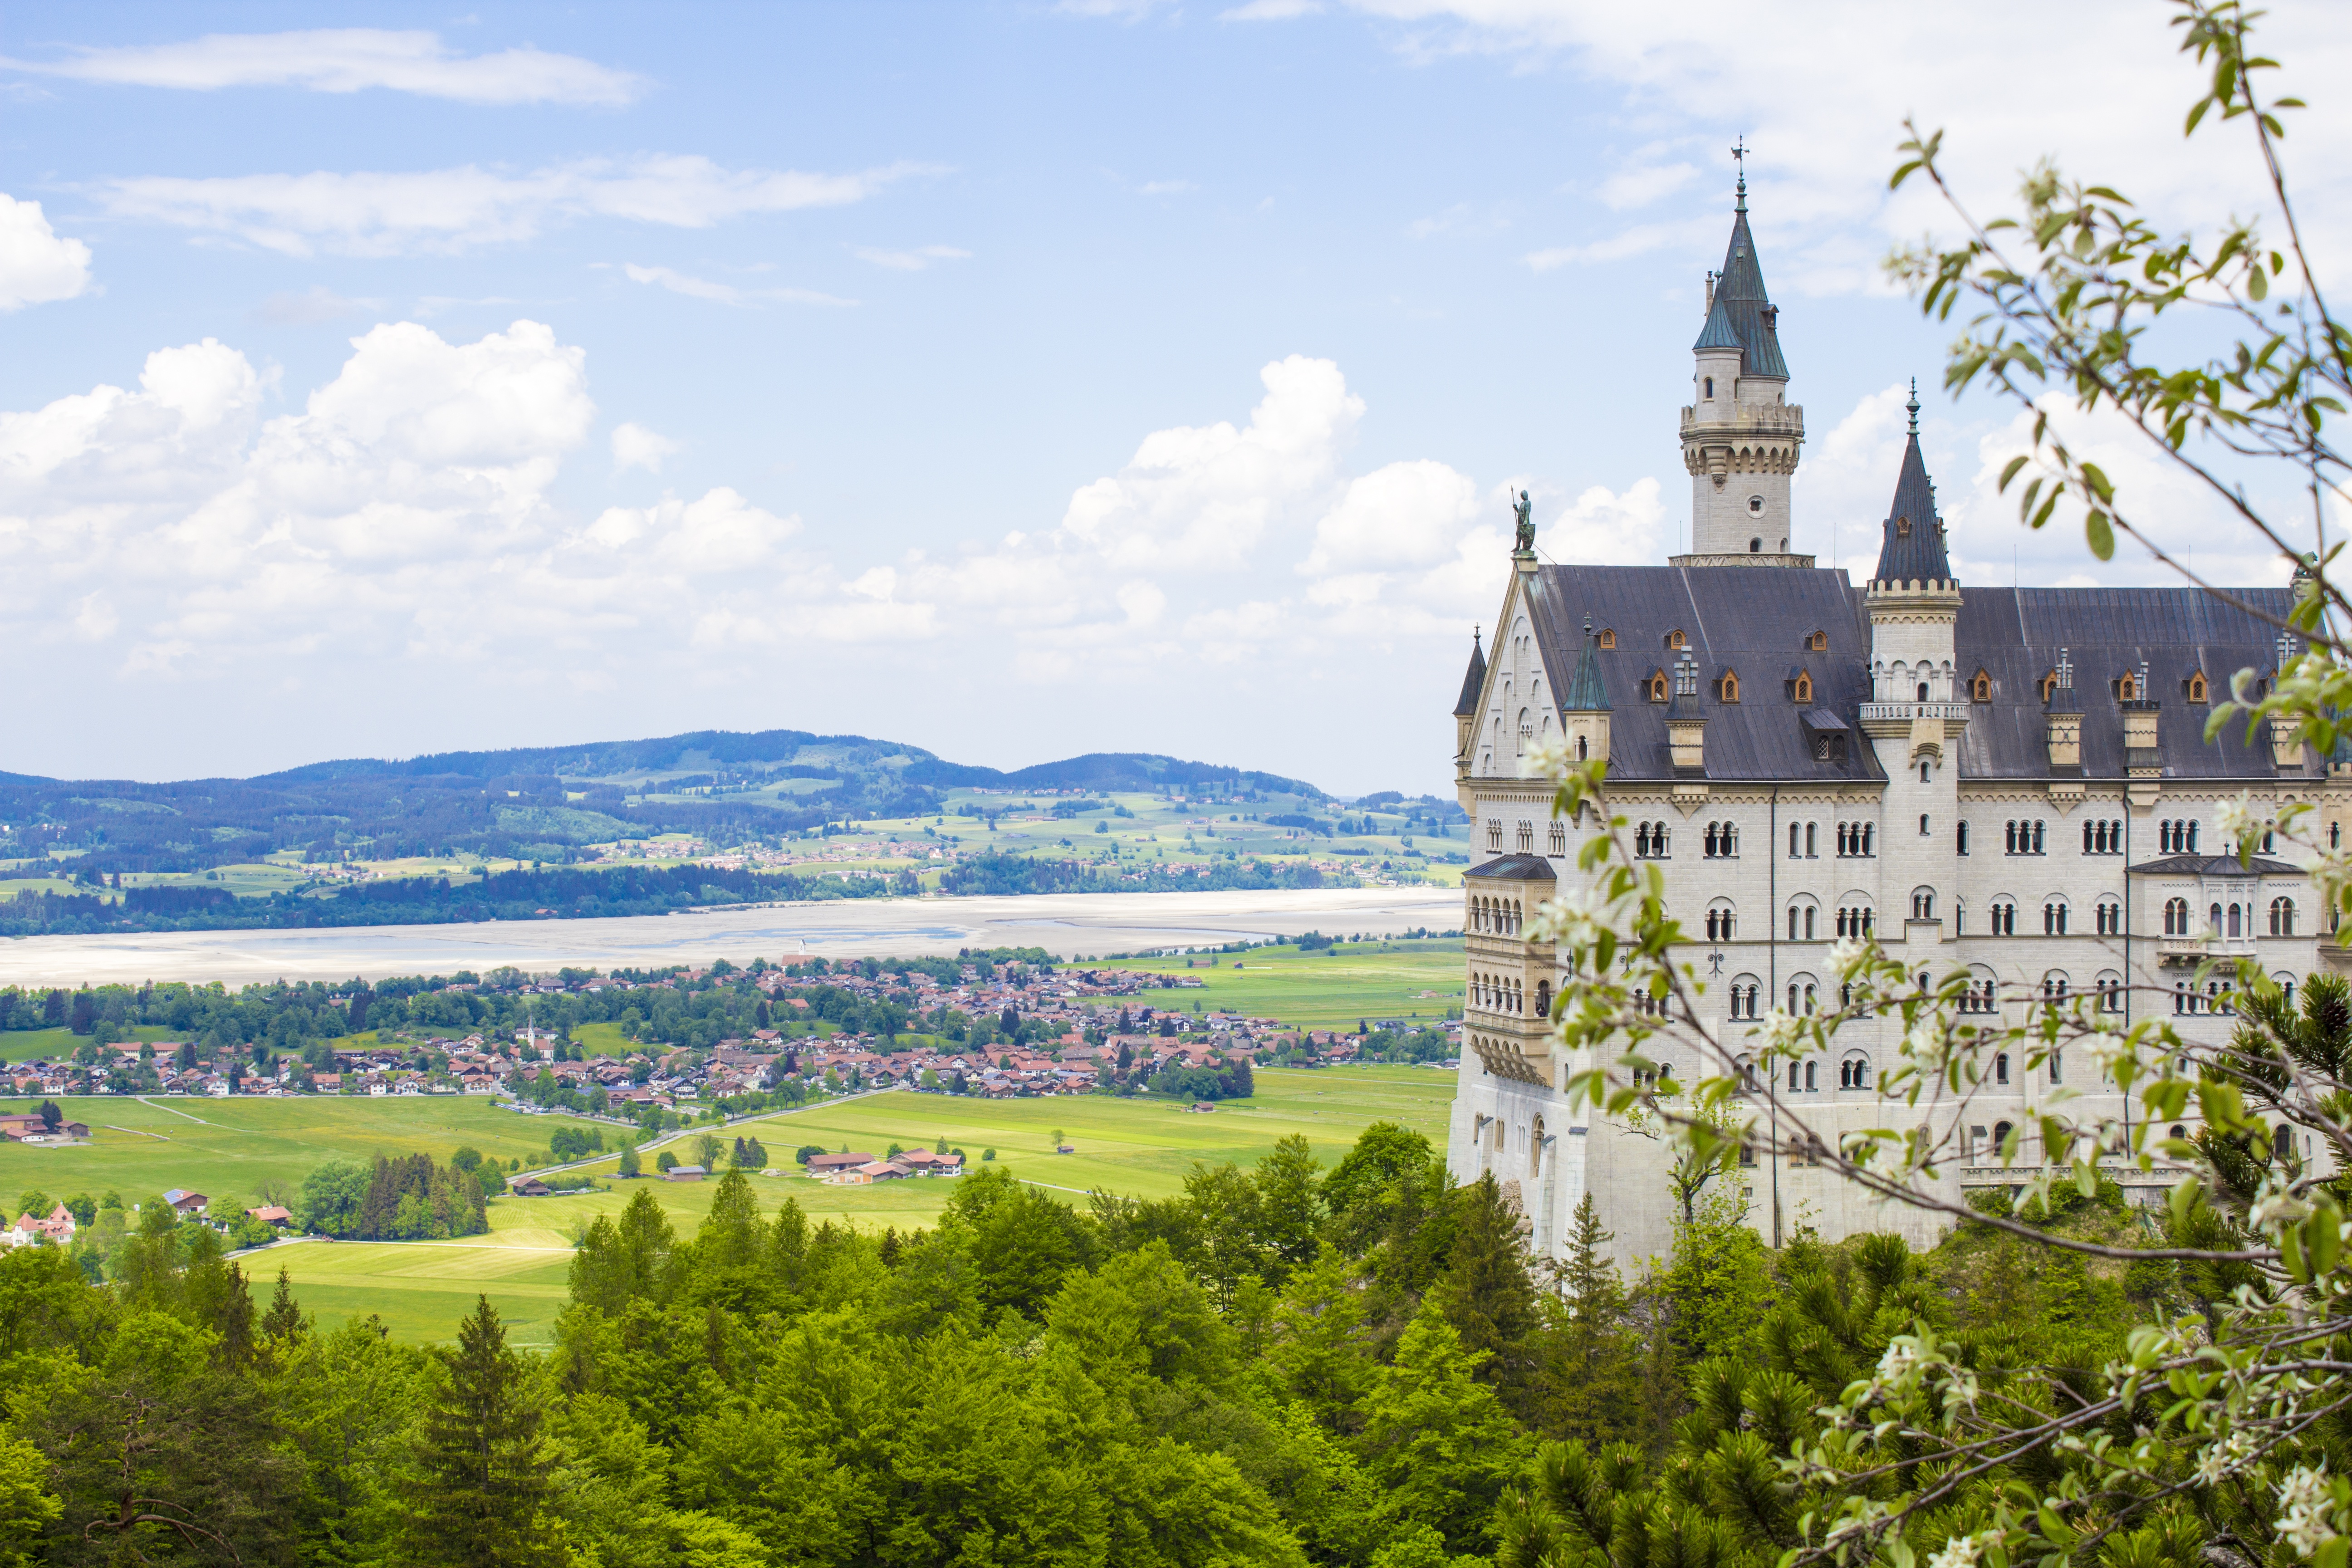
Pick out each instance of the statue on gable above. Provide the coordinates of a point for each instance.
(1523, 510)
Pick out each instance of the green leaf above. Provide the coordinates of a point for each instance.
(2257, 286)
(2009, 472)
(2101, 537)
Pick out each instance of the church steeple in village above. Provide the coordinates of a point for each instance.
(1740, 436)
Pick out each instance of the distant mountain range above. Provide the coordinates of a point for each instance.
(718, 783)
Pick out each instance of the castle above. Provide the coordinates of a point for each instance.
(2011, 780)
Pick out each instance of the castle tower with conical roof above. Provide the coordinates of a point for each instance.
(1740, 434)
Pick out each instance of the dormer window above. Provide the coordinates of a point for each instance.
(2128, 688)
(2195, 686)
(1901, 528)
(1727, 687)
(2049, 684)
(1657, 684)
(1675, 639)
(1608, 637)
(1800, 689)
(1980, 687)
(1819, 642)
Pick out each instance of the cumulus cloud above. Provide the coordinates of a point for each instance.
(449, 210)
(350, 60)
(634, 447)
(37, 266)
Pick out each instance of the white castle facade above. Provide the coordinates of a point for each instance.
(2015, 781)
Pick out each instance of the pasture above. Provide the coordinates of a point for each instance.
(1410, 979)
(1143, 1146)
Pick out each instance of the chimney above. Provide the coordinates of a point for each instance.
(2143, 764)
(1687, 721)
(2062, 722)
(2286, 731)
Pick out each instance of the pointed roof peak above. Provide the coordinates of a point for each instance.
(1587, 694)
(1473, 680)
(1741, 313)
(1913, 546)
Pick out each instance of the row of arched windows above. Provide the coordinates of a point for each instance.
(1494, 916)
(2177, 838)
(2103, 838)
(1722, 840)
(1497, 994)
(2027, 839)
(2231, 920)
(1650, 840)
(1856, 838)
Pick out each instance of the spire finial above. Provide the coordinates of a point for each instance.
(1914, 406)
(1739, 152)
(1475, 630)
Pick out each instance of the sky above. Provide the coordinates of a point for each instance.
(1010, 380)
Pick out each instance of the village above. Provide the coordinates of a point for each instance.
(1039, 1030)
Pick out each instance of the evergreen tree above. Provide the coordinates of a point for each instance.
(482, 1461)
(1485, 1293)
(284, 1322)
(1589, 1364)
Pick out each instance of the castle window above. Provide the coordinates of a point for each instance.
(1819, 642)
(2195, 684)
(2049, 684)
(2127, 689)
(2110, 987)
(1922, 904)
(2110, 918)
(2282, 917)
(1801, 688)
(1901, 528)
(1527, 837)
(2004, 918)
(1964, 838)
(1495, 836)
(1718, 922)
(1980, 687)
(1755, 547)
(2053, 919)
(2176, 917)
(1675, 639)
(1710, 389)
(1557, 839)
(1657, 686)
(1727, 690)
(1854, 1072)
(1756, 506)
(1608, 637)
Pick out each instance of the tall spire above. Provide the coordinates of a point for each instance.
(1912, 547)
(1586, 692)
(1741, 314)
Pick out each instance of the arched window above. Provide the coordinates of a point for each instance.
(2176, 917)
(1557, 838)
(1543, 998)
(1819, 642)
(1999, 1075)
(2053, 918)
(2004, 918)
(1923, 904)
(1710, 387)
(2049, 684)
(2128, 688)
(1727, 687)
(1718, 921)
(1980, 687)
(1853, 1072)
(2197, 687)
(1608, 637)
(1964, 838)
(1795, 838)
(1809, 828)
(2055, 987)
(2282, 917)
(2111, 991)
(1801, 689)
(1657, 686)
(2110, 918)
(2234, 932)
(2001, 1131)
(1675, 639)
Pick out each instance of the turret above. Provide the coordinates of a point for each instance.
(1740, 436)
(1584, 712)
(1915, 607)
(1466, 707)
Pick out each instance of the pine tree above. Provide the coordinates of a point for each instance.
(1590, 1351)
(483, 1463)
(284, 1320)
(1485, 1291)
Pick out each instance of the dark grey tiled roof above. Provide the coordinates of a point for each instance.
(1754, 620)
(1473, 682)
(1912, 547)
(1516, 868)
(2215, 865)
(1757, 620)
(2014, 635)
(1742, 316)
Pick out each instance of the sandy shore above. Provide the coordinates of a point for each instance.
(1063, 924)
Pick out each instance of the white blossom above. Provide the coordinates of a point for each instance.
(2306, 1519)
(1780, 1031)
(2235, 820)
(1571, 919)
(1546, 759)
(2108, 1050)
(1959, 1551)
(1850, 953)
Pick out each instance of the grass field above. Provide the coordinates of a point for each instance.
(226, 1148)
(1338, 986)
(1143, 1147)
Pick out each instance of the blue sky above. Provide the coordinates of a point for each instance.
(1014, 381)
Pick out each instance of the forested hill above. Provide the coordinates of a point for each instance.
(541, 803)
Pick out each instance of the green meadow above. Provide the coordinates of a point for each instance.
(1334, 988)
(1143, 1146)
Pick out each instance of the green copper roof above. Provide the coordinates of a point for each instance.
(1586, 693)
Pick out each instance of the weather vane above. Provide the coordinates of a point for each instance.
(1739, 151)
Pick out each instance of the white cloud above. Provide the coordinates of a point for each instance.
(1640, 183)
(449, 210)
(37, 266)
(634, 447)
(2099, 75)
(314, 305)
(350, 60)
(695, 288)
(912, 260)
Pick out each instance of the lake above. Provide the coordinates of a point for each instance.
(1063, 924)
